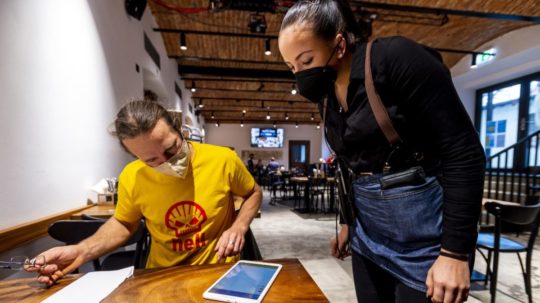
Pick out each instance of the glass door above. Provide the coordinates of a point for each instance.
(500, 118)
(299, 155)
(533, 121)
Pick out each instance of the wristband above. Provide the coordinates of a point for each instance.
(453, 256)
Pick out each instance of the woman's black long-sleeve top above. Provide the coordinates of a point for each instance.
(418, 93)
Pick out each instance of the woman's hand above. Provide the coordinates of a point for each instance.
(448, 280)
(59, 261)
(340, 248)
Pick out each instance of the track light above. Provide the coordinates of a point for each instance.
(267, 51)
(212, 115)
(312, 117)
(286, 116)
(201, 105)
(318, 125)
(473, 63)
(183, 45)
(193, 88)
(217, 124)
(242, 123)
(243, 111)
(293, 90)
(296, 125)
(268, 116)
(275, 124)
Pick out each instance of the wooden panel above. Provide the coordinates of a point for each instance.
(23, 233)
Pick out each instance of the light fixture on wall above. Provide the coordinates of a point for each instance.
(193, 88)
(296, 125)
(183, 45)
(217, 124)
(242, 123)
(312, 117)
(293, 90)
(473, 63)
(268, 116)
(286, 116)
(267, 50)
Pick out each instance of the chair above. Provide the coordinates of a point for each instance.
(318, 189)
(74, 231)
(495, 243)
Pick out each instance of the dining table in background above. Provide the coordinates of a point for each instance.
(175, 284)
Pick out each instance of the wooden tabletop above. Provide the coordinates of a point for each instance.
(107, 211)
(176, 284)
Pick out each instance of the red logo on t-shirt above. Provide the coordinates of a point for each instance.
(185, 217)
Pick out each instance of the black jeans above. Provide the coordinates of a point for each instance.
(374, 285)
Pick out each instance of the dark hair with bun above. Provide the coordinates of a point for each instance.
(327, 18)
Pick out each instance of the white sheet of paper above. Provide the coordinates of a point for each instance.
(92, 287)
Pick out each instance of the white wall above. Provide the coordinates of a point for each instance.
(518, 54)
(233, 135)
(66, 67)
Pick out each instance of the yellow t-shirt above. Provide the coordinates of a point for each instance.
(187, 216)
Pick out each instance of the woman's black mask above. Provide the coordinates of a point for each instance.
(317, 82)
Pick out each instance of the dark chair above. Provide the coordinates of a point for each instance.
(276, 186)
(495, 243)
(318, 190)
(74, 231)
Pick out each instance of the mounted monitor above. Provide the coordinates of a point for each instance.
(267, 137)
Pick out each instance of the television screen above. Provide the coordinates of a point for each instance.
(267, 137)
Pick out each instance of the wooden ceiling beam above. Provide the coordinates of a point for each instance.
(442, 11)
(254, 73)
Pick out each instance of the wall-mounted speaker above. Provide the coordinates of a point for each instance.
(135, 8)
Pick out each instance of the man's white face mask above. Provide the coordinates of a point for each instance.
(177, 165)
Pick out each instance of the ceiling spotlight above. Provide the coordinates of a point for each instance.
(312, 117)
(242, 123)
(274, 125)
(257, 23)
(193, 88)
(293, 90)
(212, 115)
(267, 49)
(268, 116)
(183, 45)
(296, 125)
(243, 111)
(286, 116)
(201, 105)
(217, 124)
(318, 125)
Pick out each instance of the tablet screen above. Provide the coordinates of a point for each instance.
(245, 280)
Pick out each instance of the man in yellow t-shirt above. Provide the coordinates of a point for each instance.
(184, 216)
(183, 190)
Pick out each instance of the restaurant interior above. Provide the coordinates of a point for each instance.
(67, 67)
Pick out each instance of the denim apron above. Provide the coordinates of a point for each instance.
(399, 229)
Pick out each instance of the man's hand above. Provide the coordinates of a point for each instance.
(230, 243)
(448, 280)
(59, 261)
(340, 248)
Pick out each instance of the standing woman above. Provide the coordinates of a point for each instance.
(412, 241)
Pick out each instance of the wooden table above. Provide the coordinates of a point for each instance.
(176, 284)
(107, 211)
(98, 211)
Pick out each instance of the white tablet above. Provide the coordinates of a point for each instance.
(245, 282)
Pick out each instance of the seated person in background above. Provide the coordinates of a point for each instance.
(250, 164)
(183, 189)
(273, 165)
